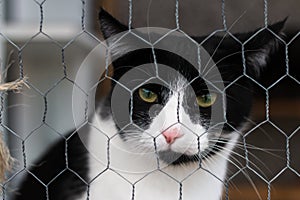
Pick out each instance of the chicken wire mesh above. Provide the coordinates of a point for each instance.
(245, 168)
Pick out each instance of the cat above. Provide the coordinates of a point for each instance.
(174, 150)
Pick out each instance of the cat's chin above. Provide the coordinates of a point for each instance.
(174, 158)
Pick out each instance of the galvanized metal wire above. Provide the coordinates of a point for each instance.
(65, 77)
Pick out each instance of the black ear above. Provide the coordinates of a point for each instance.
(109, 26)
(264, 44)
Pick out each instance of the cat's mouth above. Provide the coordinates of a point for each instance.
(171, 157)
(175, 158)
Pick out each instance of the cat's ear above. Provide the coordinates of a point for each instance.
(110, 26)
(264, 44)
(112, 30)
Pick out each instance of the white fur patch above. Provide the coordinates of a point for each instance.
(127, 169)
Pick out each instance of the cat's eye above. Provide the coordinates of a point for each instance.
(206, 100)
(147, 95)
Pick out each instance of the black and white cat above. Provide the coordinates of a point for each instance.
(174, 150)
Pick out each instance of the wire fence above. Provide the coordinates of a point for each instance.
(66, 78)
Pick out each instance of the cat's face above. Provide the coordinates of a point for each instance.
(180, 116)
(176, 115)
(178, 121)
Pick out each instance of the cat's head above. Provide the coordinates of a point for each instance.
(175, 109)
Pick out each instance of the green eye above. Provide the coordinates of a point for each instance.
(147, 95)
(206, 100)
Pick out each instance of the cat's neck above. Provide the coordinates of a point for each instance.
(117, 169)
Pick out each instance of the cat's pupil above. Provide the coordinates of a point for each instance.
(206, 98)
(147, 93)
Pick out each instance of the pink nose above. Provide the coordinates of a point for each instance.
(172, 134)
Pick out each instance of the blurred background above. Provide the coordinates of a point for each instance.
(45, 41)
